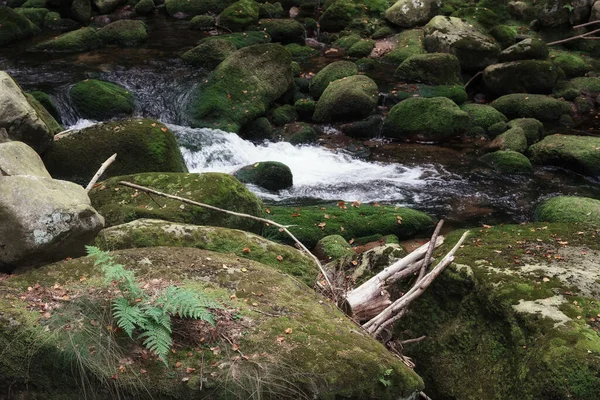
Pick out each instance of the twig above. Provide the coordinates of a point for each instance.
(586, 24)
(472, 79)
(574, 37)
(424, 396)
(427, 258)
(103, 168)
(415, 340)
(237, 214)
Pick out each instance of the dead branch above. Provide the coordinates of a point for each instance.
(415, 340)
(586, 24)
(376, 324)
(237, 214)
(103, 168)
(427, 258)
(574, 37)
(472, 79)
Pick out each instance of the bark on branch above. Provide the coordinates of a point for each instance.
(103, 168)
(574, 37)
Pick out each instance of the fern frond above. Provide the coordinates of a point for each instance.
(158, 316)
(128, 317)
(157, 339)
(185, 303)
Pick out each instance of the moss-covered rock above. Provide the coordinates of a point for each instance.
(479, 16)
(305, 108)
(53, 126)
(239, 16)
(312, 223)
(270, 10)
(81, 10)
(529, 76)
(35, 15)
(321, 355)
(285, 114)
(259, 129)
(242, 87)
(16, 158)
(202, 22)
(142, 145)
(53, 21)
(362, 48)
(514, 317)
(505, 35)
(108, 6)
(125, 33)
(301, 53)
(191, 8)
(408, 43)
(474, 49)
(513, 139)
(144, 7)
(508, 162)
(153, 232)
(456, 93)
(346, 40)
(533, 129)
(34, 4)
(367, 128)
(101, 100)
(571, 209)
(577, 153)
(572, 64)
(527, 49)
(284, 30)
(339, 14)
(297, 133)
(431, 69)
(482, 115)
(83, 39)
(347, 99)
(587, 85)
(540, 107)
(15, 26)
(241, 39)
(408, 13)
(497, 129)
(333, 247)
(209, 54)
(47, 103)
(332, 72)
(436, 119)
(221, 190)
(365, 64)
(270, 175)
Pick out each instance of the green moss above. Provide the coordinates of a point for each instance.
(572, 64)
(576, 153)
(209, 54)
(47, 103)
(508, 162)
(585, 85)
(53, 126)
(259, 129)
(347, 41)
(15, 26)
(529, 76)
(202, 22)
(367, 128)
(333, 247)
(35, 15)
(497, 129)
(479, 16)
(34, 4)
(142, 145)
(191, 8)
(456, 93)
(566, 90)
(101, 100)
(243, 39)
(360, 221)
(513, 139)
(239, 16)
(383, 32)
(482, 115)
(409, 43)
(365, 64)
(301, 53)
(81, 10)
(570, 209)
(271, 10)
(533, 129)
(527, 49)
(284, 115)
(80, 40)
(334, 71)
(543, 108)
(347, 99)
(430, 69)
(305, 108)
(338, 15)
(124, 33)
(144, 7)
(435, 118)
(224, 191)
(284, 30)
(362, 48)
(505, 35)
(297, 133)
(270, 175)
(242, 87)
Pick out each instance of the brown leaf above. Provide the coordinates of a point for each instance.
(280, 258)
(177, 364)
(295, 215)
(246, 250)
(280, 339)
(351, 241)
(288, 331)
(143, 371)
(235, 347)
(163, 129)
(268, 211)
(190, 370)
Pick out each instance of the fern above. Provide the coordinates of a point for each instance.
(135, 310)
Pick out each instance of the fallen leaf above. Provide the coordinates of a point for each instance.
(143, 371)
(280, 339)
(190, 370)
(246, 250)
(235, 347)
(280, 258)
(177, 364)
(268, 211)
(185, 379)
(288, 331)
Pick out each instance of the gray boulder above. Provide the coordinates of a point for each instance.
(410, 13)
(43, 220)
(16, 158)
(19, 118)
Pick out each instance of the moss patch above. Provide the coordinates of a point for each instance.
(124, 33)
(101, 100)
(14, 26)
(573, 209)
(333, 71)
(80, 40)
(577, 153)
(543, 108)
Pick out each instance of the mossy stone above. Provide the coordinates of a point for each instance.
(239, 16)
(81, 40)
(435, 118)
(101, 100)
(365, 64)
(284, 30)
(408, 13)
(533, 129)
(482, 17)
(241, 88)
(573, 65)
(571, 209)
(504, 34)
(15, 26)
(513, 139)
(543, 108)
(483, 116)
(456, 93)
(35, 15)
(191, 8)
(270, 175)
(142, 145)
(347, 99)
(81, 10)
(202, 22)
(529, 76)
(241, 39)
(270, 10)
(144, 7)
(338, 15)
(45, 100)
(367, 128)
(383, 32)
(301, 53)
(53, 126)
(297, 133)
(108, 6)
(125, 33)
(333, 247)
(284, 115)
(587, 85)
(209, 54)
(577, 153)
(311, 225)
(305, 108)
(332, 72)
(430, 69)
(527, 49)
(34, 4)
(220, 190)
(497, 129)
(362, 48)
(409, 43)
(508, 162)
(259, 129)
(347, 41)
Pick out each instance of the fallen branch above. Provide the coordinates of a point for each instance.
(427, 258)
(574, 38)
(415, 340)
(586, 24)
(103, 168)
(237, 214)
(472, 79)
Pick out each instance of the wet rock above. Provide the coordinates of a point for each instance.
(209, 54)
(80, 40)
(239, 16)
(410, 13)
(540, 107)
(100, 100)
(507, 162)
(15, 26)
(430, 69)
(577, 153)
(571, 209)
(270, 175)
(297, 133)
(16, 158)
(125, 33)
(513, 139)
(529, 76)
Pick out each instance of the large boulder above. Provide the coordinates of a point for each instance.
(284, 30)
(557, 13)
(515, 316)
(209, 54)
(142, 145)
(569, 209)
(482, 115)
(543, 108)
(119, 204)
(474, 49)
(431, 69)
(43, 220)
(407, 43)
(239, 16)
(410, 13)
(241, 88)
(270, 175)
(108, 6)
(297, 344)
(507, 162)
(14, 26)
(19, 118)
(347, 99)
(513, 139)
(526, 49)
(16, 158)
(100, 100)
(191, 8)
(430, 119)
(124, 33)
(529, 76)
(83, 39)
(332, 72)
(577, 153)
(53, 126)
